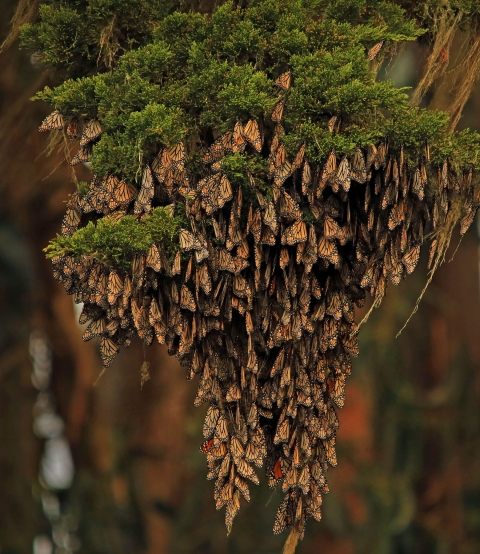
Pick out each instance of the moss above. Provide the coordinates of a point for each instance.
(192, 73)
(115, 243)
(178, 74)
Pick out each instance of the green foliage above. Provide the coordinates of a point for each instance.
(53, 37)
(178, 74)
(79, 37)
(115, 243)
(121, 151)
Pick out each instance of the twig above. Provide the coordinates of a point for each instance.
(291, 542)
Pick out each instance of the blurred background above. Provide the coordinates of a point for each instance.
(103, 466)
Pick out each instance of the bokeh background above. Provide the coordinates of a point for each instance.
(104, 466)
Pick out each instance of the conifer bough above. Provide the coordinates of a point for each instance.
(252, 181)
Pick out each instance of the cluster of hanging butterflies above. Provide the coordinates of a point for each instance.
(261, 308)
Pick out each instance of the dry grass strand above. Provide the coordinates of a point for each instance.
(25, 12)
(444, 32)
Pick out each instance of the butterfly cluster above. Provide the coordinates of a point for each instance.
(259, 301)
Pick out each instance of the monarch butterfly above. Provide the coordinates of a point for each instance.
(96, 327)
(205, 281)
(73, 129)
(154, 314)
(281, 519)
(176, 269)
(187, 301)
(224, 467)
(188, 271)
(330, 453)
(243, 249)
(467, 220)
(297, 232)
(219, 194)
(332, 122)
(127, 291)
(268, 237)
(223, 494)
(397, 215)
(236, 449)
(315, 288)
(374, 50)
(221, 428)
(53, 122)
(277, 113)
(394, 270)
(417, 184)
(282, 173)
(381, 155)
(70, 222)
(218, 452)
(280, 156)
(403, 239)
(331, 229)
(371, 156)
(410, 259)
(153, 259)
(188, 241)
(284, 81)
(291, 479)
(144, 199)
(140, 319)
(158, 167)
(297, 163)
(209, 156)
(350, 343)
(453, 184)
(388, 196)
(282, 433)
(270, 217)
(278, 364)
(253, 453)
(255, 226)
(122, 195)
(368, 278)
(218, 149)
(114, 287)
(240, 286)
(225, 261)
(342, 177)
(234, 234)
(83, 155)
(91, 132)
(138, 270)
(328, 250)
(206, 446)
(333, 306)
(287, 207)
(358, 169)
(173, 157)
(329, 168)
(304, 480)
(251, 132)
(239, 140)
(101, 284)
(273, 148)
(306, 179)
(108, 350)
(108, 186)
(246, 470)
